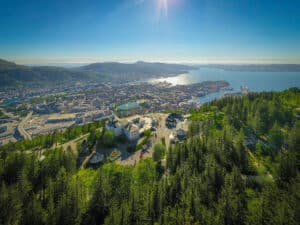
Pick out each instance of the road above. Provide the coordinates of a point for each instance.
(88, 158)
(162, 132)
(8, 114)
(21, 129)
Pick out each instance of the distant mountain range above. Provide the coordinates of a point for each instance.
(12, 74)
(257, 67)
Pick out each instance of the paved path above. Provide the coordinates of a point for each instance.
(87, 159)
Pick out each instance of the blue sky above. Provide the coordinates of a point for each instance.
(195, 31)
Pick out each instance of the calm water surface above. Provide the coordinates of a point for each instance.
(255, 81)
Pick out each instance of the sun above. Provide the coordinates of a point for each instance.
(163, 7)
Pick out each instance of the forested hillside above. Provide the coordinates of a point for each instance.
(239, 165)
(135, 71)
(12, 74)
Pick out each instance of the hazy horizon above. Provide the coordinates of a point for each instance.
(207, 62)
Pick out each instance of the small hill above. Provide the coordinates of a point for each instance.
(135, 71)
(257, 67)
(12, 74)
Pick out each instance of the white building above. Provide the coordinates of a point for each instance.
(114, 126)
(172, 138)
(131, 129)
(132, 132)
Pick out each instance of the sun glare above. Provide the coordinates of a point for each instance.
(162, 7)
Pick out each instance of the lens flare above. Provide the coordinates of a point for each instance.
(162, 8)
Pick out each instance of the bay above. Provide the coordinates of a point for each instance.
(255, 81)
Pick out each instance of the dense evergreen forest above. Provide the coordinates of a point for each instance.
(239, 165)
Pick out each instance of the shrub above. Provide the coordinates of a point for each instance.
(159, 152)
(109, 139)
